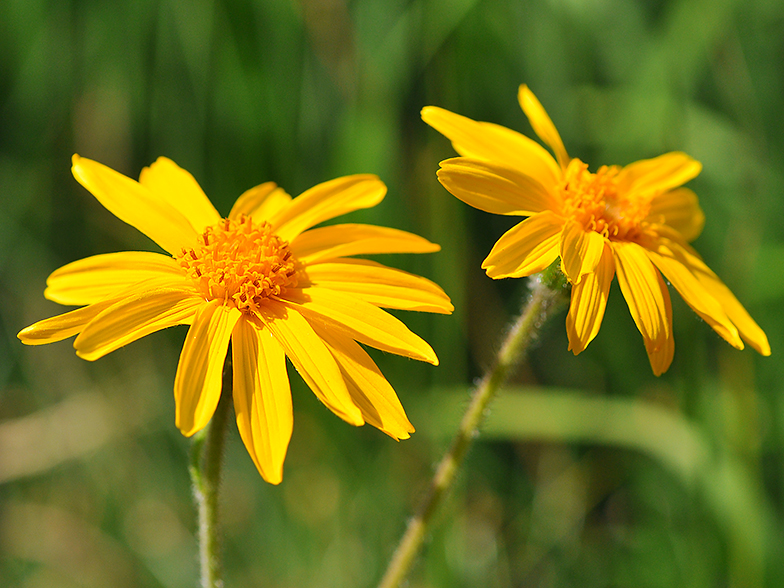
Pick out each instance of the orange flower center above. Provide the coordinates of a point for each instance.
(240, 262)
(594, 201)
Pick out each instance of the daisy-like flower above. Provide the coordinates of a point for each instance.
(635, 222)
(260, 280)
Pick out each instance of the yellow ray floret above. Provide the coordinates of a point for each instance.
(261, 279)
(633, 222)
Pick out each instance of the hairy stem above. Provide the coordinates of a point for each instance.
(206, 461)
(546, 298)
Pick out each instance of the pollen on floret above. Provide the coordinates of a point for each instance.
(593, 200)
(240, 262)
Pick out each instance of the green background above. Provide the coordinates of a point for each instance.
(591, 471)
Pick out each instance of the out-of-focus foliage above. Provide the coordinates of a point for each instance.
(602, 475)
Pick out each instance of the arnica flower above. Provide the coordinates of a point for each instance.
(635, 222)
(260, 280)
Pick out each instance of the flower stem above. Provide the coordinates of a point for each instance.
(546, 298)
(205, 468)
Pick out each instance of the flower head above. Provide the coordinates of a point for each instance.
(259, 279)
(635, 222)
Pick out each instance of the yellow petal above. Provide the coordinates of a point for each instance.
(62, 326)
(494, 188)
(679, 209)
(699, 298)
(262, 398)
(648, 300)
(353, 239)
(364, 322)
(581, 250)
(368, 387)
(659, 174)
(326, 201)
(380, 285)
(588, 303)
(134, 204)
(134, 316)
(198, 383)
(260, 202)
(172, 184)
(94, 278)
(542, 124)
(526, 248)
(494, 143)
(748, 329)
(312, 359)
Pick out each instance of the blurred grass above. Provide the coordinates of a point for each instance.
(633, 481)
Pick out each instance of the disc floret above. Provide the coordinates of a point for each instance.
(240, 262)
(593, 199)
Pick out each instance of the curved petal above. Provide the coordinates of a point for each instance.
(198, 383)
(526, 248)
(326, 201)
(368, 387)
(380, 285)
(353, 239)
(748, 329)
(542, 124)
(262, 398)
(695, 294)
(312, 359)
(494, 143)
(648, 300)
(94, 278)
(581, 251)
(659, 174)
(260, 202)
(134, 204)
(494, 188)
(364, 322)
(172, 184)
(680, 209)
(63, 325)
(135, 316)
(589, 301)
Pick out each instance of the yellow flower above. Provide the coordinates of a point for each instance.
(259, 279)
(634, 222)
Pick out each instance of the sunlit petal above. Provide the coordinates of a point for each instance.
(326, 201)
(542, 124)
(581, 251)
(134, 204)
(368, 387)
(260, 202)
(679, 209)
(94, 278)
(659, 174)
(262, 398)
(699, 298)
(748, 329)
(364, 322)
(312, 359)
(135, 316)
(526, 248)
(588, 303)
(494, 188)
(198, 383)
(352, 239)
(648, 300)
(494, 143)
(380, 285)
(170, 183)
(62, 326)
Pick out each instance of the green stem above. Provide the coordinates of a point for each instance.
(546, 298)
(205, 467)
